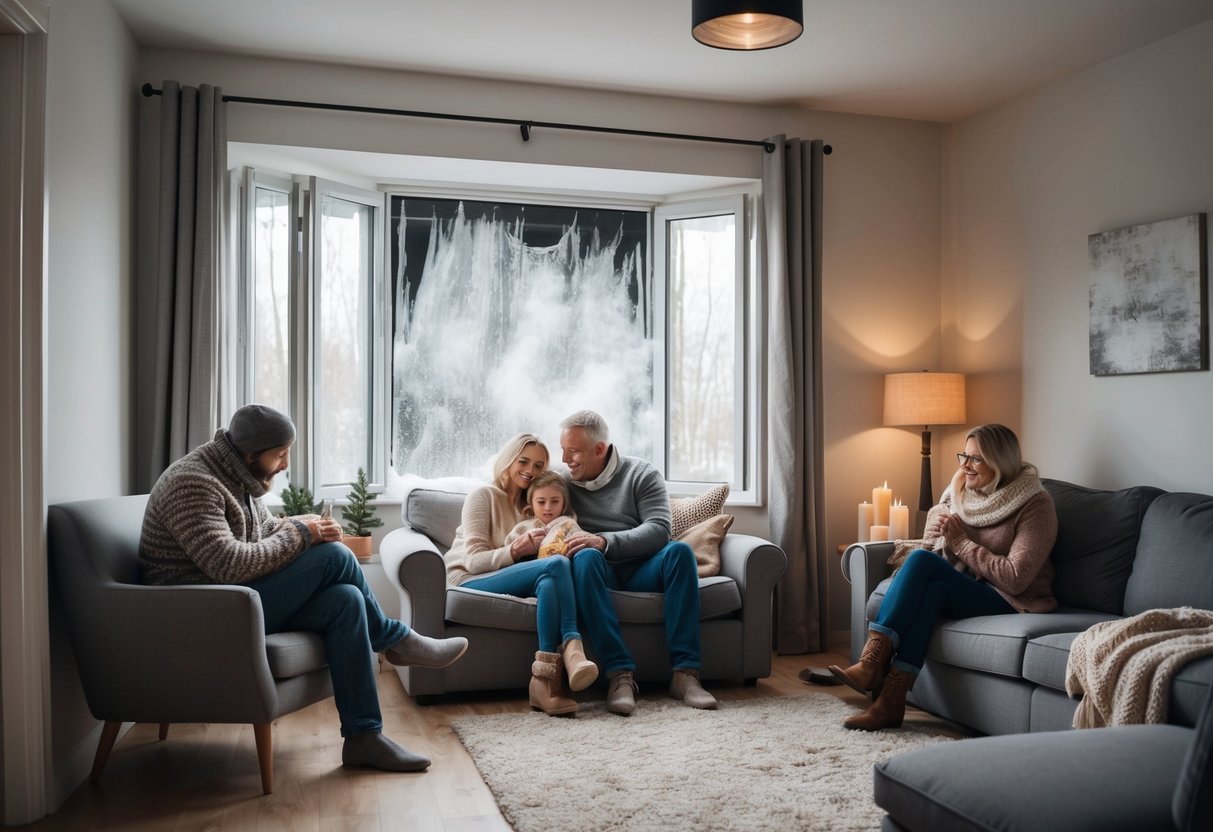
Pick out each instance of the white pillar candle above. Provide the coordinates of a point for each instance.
(866, 518)
(880, 532)
(899, 521)
(882, 498)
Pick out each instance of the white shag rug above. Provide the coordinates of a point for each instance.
(777, 764)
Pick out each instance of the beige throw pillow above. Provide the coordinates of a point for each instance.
(704, 539)
(688, 511)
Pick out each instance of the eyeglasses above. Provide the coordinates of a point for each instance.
(969, 459)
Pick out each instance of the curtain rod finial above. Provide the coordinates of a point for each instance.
(148, 90)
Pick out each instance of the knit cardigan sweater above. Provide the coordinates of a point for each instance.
(1013, 555)
(205, 523)
(478, 548)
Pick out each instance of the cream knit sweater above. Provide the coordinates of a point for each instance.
(479, 545)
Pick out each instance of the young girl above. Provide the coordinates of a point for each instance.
(547, 502)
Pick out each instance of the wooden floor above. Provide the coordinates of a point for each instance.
(204, 777)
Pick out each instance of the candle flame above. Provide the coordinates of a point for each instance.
(886, 484)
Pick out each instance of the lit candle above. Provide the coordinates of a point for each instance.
(866, 518)
(899, 521)
(882, 497)
(880, 532)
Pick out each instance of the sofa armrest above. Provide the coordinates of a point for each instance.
(197, 649)
(864, 565)
(415, 568)
(756, 565)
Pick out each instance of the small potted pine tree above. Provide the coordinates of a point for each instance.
(297, 501)
(359, 517)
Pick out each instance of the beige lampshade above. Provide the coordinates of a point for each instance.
(924, 399)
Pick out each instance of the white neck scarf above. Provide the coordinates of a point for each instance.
(980, 507)
(608, 471)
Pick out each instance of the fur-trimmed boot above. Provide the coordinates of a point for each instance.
(889, 709)
(547, 686)
(582, 672)
(867, 674)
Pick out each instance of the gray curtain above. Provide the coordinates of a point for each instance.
(179, 320)
(791, 196)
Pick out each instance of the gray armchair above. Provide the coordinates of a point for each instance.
(167, 654)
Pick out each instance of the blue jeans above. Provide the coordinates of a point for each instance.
(323, 591)
(550, 582)
(927, 589)
(670, 571)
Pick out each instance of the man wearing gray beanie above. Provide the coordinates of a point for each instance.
(205, 524)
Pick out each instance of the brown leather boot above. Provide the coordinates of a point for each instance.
(873, 664)
(582, 672)
(547, 686)
(889, 709)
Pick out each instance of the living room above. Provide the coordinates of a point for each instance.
(952, 241)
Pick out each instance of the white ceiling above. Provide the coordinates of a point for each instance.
(934, 60)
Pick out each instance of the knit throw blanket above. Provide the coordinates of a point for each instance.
(1124, 668)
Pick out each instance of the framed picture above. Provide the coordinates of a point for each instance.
(1149, 298)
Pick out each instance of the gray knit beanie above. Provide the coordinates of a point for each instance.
(255, 428)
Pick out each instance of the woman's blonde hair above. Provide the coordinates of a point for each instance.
(509, 452)
(1000, 450)
(548, 479)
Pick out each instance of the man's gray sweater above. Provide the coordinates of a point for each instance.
(631, 511)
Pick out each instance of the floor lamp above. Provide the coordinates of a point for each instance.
(924, 399)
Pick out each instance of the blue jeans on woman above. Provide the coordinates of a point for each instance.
(670, 571)
(550, 582)
(927, 589)
(323, 591)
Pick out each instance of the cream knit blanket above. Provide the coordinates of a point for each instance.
(1124, 668)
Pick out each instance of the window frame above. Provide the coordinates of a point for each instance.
(745, 489)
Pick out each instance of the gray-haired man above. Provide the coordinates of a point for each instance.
(623, 505)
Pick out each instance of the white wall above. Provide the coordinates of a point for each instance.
(1126, 142)
(881, 252)
(89, 169)
(90, 129)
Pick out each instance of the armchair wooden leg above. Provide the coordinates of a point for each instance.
(109, 733)
(164, 731)
(264, 733)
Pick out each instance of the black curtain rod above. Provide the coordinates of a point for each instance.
(523, 126)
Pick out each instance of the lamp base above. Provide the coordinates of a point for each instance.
(925, 497)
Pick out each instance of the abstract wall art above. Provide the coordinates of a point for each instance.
(1149, 298)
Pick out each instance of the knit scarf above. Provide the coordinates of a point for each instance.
(978, 508)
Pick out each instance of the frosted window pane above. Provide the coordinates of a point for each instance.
(343, 338)
(510, 317)
(702, 309)
(271, 299)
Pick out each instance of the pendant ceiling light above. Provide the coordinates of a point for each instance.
(746, 24)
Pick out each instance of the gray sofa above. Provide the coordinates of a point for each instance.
(1118, 553)
(735, 610)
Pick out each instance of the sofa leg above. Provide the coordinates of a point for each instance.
(109, 733)
(164, 731)
(751, 682)
(264, 734)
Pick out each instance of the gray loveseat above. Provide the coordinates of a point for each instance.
(735, 610)
(1118, 553)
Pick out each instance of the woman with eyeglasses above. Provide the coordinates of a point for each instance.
(987, 553)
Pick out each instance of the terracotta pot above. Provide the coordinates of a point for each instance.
(360, 546)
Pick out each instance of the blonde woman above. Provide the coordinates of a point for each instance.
(990, 537)
(482, 558)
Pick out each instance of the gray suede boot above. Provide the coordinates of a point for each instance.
(374, 750)
(621, 696)
(423, 651)
(685, 686)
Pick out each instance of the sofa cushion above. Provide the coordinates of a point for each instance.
(718, 597)
(1173, 567)
(1097, 534)
(294, 653)
(436, 514)
(997, 643)
(1106, 778)
(1045, 659)
(689, 511)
